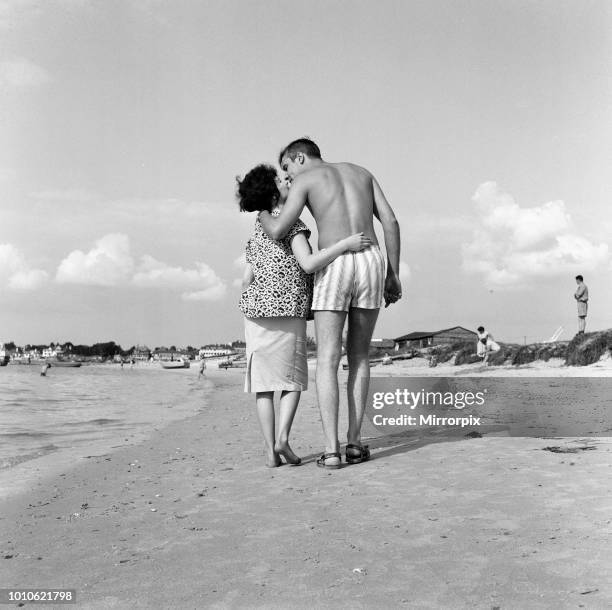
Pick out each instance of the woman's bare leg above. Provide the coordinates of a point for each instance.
(265, 414)
(288, 406)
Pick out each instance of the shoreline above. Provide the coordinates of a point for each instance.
(190, 517)
(28, 469)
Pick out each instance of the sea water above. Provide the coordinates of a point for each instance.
(98, 406)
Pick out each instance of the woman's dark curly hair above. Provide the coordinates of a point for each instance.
(257, 191)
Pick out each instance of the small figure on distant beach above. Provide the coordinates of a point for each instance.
(202, 367)
(486, 345)
(342, 197)
(582, 299)
(45, 367)
(276, 303)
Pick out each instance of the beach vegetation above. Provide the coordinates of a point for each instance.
(524, 355)
(464, 352)
(447, 351)
(467, 354)
(585, 349)
(503, 355)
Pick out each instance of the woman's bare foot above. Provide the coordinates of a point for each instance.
(286, 451)
(273, 460)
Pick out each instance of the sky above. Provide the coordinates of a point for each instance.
(124, 123)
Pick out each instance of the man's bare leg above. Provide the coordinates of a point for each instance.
(360, 329)
(329, 325)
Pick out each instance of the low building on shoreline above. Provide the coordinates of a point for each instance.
(455, 334)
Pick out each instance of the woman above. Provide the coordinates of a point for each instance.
(485, 344)
(276, 303)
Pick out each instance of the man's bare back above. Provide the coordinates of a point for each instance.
(341, 199)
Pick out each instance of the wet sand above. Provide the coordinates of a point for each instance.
(191, 518)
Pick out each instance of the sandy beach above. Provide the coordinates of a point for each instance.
(191, 518)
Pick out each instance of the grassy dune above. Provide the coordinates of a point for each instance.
(582, 350)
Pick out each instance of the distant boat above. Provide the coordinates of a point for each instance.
(233, 364)
(175, 364)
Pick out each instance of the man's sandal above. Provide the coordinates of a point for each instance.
(359, 454)
(322, 461)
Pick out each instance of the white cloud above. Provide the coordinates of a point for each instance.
(512, 246)
(28, 279)
(15, 273)
(21, 73)
(109, 263)
(204, 283)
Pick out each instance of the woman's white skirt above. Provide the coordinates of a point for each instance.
(276, 354)
(490, 346)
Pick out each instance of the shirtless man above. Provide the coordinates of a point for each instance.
(343, 199)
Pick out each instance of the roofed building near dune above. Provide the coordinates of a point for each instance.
(454, 334)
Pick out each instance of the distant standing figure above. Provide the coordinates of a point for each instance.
(485, 344)
(582, 299)
(202, 367)
(45, 367)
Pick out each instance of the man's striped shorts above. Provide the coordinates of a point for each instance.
(354, 279)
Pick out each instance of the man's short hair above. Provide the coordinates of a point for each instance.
(579, 278)
(302, 145)
(480, 329)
